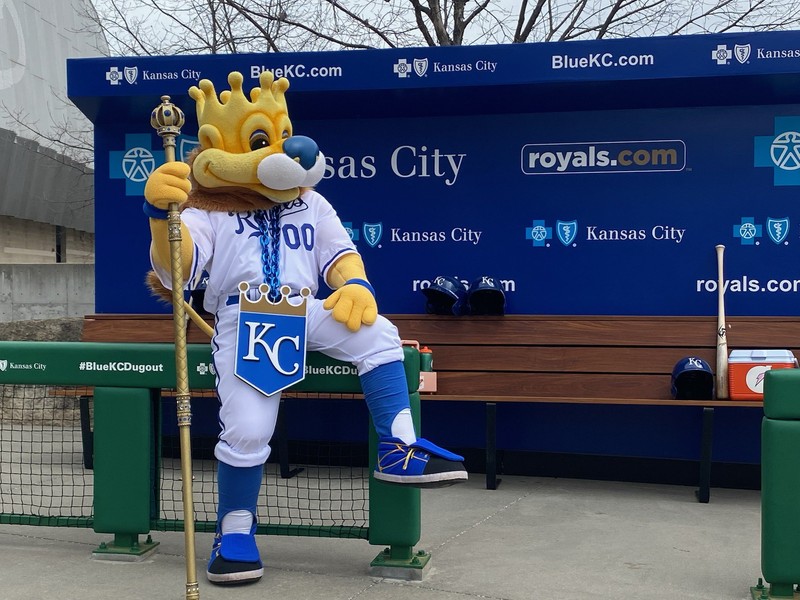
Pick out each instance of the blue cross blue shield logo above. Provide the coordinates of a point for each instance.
(778, 229)
(539, 233)
(780, 151)
(131, 73)
(135, 163)
(748, 231)
(566, 231)
(372, 233)
(270, 347)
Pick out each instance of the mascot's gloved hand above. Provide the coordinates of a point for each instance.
(168, 183)
(353, 304)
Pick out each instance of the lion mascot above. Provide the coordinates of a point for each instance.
(251, 220)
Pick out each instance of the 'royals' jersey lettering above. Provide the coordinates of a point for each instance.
(242, 220)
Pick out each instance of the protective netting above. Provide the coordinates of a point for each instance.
(46, 472)
(43, 479)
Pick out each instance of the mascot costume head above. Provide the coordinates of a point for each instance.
(248, 145)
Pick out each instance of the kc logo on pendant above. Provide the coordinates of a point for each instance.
(270, 340)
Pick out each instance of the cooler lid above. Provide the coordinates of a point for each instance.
(762, 356)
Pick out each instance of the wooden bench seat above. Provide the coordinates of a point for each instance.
(596, 360)
(577, 359)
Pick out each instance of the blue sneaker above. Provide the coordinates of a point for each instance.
(234, 559)
(421, 464)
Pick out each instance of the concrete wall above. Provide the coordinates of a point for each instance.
(29, 242)
(53, 291)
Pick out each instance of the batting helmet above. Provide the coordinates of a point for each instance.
(446, 296)
(692, 379)
(486, 297)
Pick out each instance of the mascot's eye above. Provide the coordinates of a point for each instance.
(259, 139)
(285, 134)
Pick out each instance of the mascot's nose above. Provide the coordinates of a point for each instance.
(303, 148)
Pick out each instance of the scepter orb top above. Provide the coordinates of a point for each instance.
(166, 118)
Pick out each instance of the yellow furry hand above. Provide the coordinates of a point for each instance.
(352, 305)
(168, 183)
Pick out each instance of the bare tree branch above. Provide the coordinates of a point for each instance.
(62, 136)
(213, 26)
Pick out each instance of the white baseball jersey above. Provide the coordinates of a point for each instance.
(228, 248)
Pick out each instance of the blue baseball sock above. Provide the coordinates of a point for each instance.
(238, 489)
(386, 393)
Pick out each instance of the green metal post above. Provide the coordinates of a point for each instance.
(780, 484)
(395, 512)
(123, 472)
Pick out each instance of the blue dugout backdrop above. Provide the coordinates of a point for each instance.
(589, 177)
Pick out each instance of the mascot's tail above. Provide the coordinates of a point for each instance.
(157, 288)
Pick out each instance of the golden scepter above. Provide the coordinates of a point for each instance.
(167, 119)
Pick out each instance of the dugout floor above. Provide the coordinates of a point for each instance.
(531, 538)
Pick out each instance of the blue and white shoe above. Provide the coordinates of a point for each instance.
(234, 559)
(422, 464)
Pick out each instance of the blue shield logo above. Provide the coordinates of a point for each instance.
(778, 229)
(270, 350)
(131, 73)
(372, 233)
(566, 231)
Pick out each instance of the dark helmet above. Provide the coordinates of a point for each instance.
(446, 296)
(692, 379)
(486, 297)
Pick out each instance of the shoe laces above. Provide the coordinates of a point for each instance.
(408, 454)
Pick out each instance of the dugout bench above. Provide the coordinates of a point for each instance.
(588, 360)
(578, 360)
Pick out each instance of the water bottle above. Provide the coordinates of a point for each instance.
(425, 359)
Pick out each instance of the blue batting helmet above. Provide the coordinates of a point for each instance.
(486, 297)
(692, 379)
(446, 296)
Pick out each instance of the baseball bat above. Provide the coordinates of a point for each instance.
(722, 329)
(167, 119)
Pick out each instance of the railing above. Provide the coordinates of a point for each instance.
(83, 444)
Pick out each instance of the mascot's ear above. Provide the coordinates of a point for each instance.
(210, 137)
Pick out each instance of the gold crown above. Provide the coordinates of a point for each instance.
(232, 106)
(265, 306)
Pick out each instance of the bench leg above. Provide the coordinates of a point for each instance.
(87, 436)
(704, 491)
(283, 446)
(491, 446)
